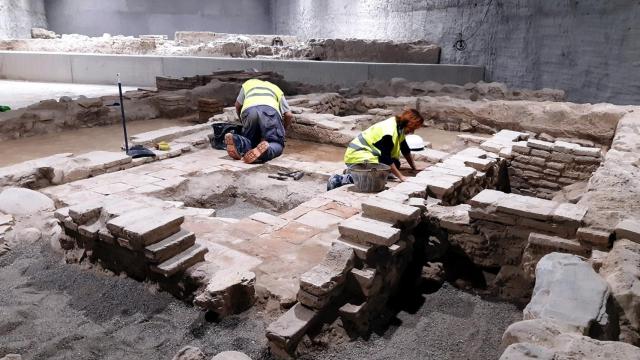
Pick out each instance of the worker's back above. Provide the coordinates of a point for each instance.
(260, 92)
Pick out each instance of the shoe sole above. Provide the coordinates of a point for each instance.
(254, 154)
(231, 147)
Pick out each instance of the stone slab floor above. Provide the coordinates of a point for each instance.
(277, 248)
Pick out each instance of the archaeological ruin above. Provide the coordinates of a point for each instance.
(129, 230)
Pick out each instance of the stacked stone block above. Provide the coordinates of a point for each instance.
(360, 272)
(172, 84)
(143, 242)
(172, 105)
(541, 168)
(502, 142)
(326, 128)
(459, 177)
(191, 82)
(511, 232)
(321, 103)
(207, 108)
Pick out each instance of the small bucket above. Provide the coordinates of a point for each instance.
(369, 178)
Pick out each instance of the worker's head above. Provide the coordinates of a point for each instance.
(409, 120)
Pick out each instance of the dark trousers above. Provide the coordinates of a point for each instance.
(259, 123)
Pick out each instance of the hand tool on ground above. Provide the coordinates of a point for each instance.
(295, 175)
(277, 177)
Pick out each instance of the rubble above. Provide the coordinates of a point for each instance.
(228, 292)
(40, 33)
(213, 44)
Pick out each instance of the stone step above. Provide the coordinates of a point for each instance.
(169, 247)
(369, 231)
(389, 211)
(628, 229)
(146, 226)
(85, 212)
(438, 184)
(285, 333)
(182, 261)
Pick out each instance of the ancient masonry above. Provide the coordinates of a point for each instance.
(341, 254)
(211, 44)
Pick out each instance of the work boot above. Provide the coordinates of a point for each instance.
(254, 154)
(335, 181)
(231, 146)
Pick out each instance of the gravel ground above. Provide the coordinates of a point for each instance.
(51, 310)
(446, 324)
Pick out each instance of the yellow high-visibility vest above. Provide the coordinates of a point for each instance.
(361, 149)
(258, 92)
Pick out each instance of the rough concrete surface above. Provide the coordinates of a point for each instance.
(157, 17)
(17, 17)
(584, 48)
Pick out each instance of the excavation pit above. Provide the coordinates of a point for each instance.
(267, 188)
(282, 231)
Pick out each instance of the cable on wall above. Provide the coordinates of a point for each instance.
(461, 43)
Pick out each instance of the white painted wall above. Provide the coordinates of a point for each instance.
(17, 17)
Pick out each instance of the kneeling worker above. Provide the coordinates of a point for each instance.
(382, 143)
(264, 114)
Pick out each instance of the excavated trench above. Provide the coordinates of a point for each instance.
(447, 306)
(240, 194)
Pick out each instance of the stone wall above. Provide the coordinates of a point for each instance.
(613, 192)
(540, 168)
(17, 17)
(511, 233)
(596, 123)
(585, 48)
(567, 120)
(49, 116)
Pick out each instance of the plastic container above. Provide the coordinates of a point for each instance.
(369, 178)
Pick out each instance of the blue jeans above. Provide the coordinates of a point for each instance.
(259, 123)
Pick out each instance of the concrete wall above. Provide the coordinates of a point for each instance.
(142, 70)
(17, 17)
(137, 17)
(590, 48)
